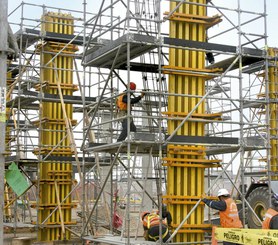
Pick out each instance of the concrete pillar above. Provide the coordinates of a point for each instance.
(148, 173)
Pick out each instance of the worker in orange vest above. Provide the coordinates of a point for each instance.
(271, 215)
(151, 223)
(227, 210)
(122, 101)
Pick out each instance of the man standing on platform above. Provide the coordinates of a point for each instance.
(122, 110)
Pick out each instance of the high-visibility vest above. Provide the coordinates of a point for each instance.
(270, 213)
(152, 220)
(229, 218)
(120, 104)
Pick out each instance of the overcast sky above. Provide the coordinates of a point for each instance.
(93, 6)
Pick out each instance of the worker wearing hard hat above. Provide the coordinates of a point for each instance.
(151, 223)
(122, 108)
(271, 215)
(228, 211)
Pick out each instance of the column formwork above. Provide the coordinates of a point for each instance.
(273, 109)
(55, 176)
(186, 164)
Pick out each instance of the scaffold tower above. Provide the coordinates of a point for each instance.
(207, 119)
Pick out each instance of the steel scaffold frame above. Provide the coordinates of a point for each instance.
(181, 107)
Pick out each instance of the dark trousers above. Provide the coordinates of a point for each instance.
(154, 233)
(123, 134)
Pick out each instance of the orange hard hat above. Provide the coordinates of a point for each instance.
(144, 214)
(132, 86)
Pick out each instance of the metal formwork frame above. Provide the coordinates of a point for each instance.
(28, 37)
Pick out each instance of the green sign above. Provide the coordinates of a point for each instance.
(16, 179)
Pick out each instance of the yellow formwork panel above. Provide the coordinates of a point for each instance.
(186, 164)
(8, 115)
(55, 177)
(7, 210)
(273, 95)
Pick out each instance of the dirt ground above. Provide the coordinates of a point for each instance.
(28, 232)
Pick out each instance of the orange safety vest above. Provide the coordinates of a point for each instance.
(152, 220)
(120, 104)
(229, 218)
(270, 213)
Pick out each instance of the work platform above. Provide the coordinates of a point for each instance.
(141, 147)
(116, 50)
(254, 143)
(144, 146)
(215, 145)
(28, 98)
(33, 163)
(31, 36)
(246, 61)
(103, 55)
(231, 149)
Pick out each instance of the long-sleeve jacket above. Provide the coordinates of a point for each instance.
(228, 215)
(218, 205)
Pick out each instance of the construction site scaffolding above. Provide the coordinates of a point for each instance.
(201, 125)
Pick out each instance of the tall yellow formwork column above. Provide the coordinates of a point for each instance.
(55, 177)
(8, 137)
(273, 110)
(186, 163)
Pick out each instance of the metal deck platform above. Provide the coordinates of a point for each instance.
(231, 149)
(28, 99)
(88, 161)
(104, 56)
(252, 144)
(224, 64)
(143, 147)
(31, 36)
(259, 103)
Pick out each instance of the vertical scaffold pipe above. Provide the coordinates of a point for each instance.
(55, 176)
(186, 163)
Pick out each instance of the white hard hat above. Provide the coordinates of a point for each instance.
(223, 192)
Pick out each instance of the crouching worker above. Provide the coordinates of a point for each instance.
(271, 216)
(151, 223)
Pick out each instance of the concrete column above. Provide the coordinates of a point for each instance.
(105, 138)
(148, 173)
